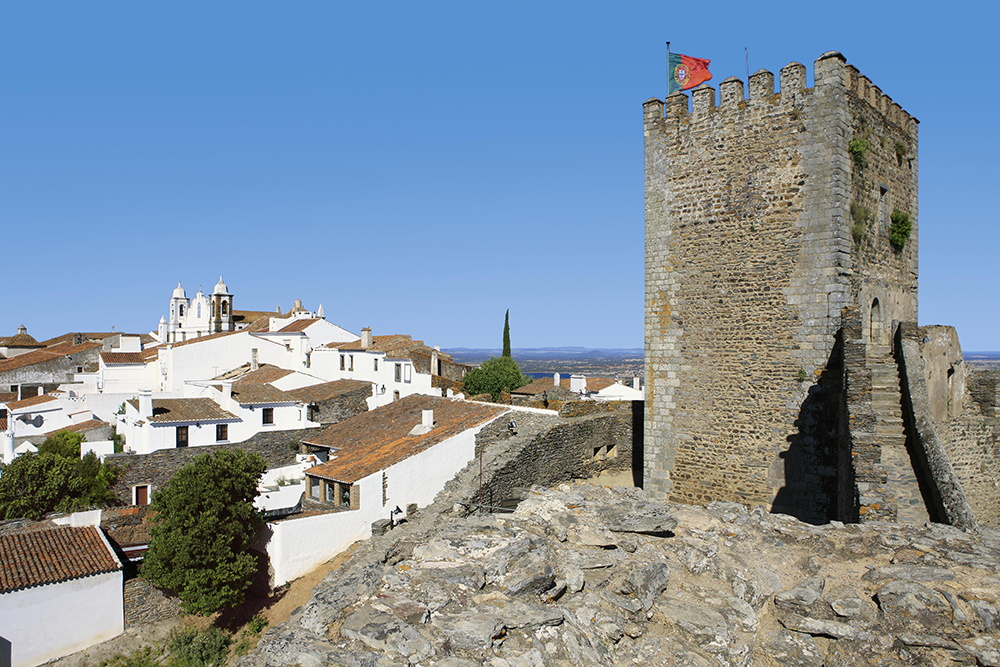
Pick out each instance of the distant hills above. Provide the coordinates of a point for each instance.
(607, 362)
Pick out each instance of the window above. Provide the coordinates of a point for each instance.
(342, 362)
(313, 488)
(351, 363)
(181, 310)
(225, 308)
(406, 372)
(376, 363)
(399, 372)
(182, 436)
(198, 315)
(883, 208)
(345, 495)
(331, 493)
(221, 432)
(268, 415)
(395, 395)
(140, 494)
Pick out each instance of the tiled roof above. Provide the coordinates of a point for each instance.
(202, 339)
(178, 410)
(44, 354)
(20, 340)
(8, 396)
(352, 345)
(94, 336)
(327, 390)
(255, 393)
(540, 385)
(298, 325)
(373, 441)
(39, 557)
(264, 373)
(85, 426)
(597, 384)
(123, 357)
(248, 316)
(29, 402)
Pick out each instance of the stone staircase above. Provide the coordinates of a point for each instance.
(889, 430)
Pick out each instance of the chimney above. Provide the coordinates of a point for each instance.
(435, 361)
(556, 379)
(635, 382)
(145, 404)
(578, 383)
(427, 419)
(366, 338)
(254, 364)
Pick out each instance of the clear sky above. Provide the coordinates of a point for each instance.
(420, 167)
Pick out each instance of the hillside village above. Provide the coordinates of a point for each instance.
(358, 431)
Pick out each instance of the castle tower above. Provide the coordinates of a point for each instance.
(222, 308)
(766, 215)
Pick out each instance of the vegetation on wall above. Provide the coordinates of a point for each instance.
(858, 147)
(203, 527)
(899, 227)
(859, 214)
(901, 152)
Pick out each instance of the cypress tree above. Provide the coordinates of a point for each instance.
(506, 334)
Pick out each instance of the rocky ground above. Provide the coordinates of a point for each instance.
(587, 575)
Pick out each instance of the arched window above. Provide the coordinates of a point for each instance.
(225, 308)
(181, 310)
(198, 312)
(875, 330)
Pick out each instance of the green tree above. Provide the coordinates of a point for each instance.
(493, 376)
(506, 334)
(203, 528)
(62, 443)
(32, 485)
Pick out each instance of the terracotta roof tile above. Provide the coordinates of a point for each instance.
(298, 325)
(264, 373)
(44, 354)
(29, 402)
(85, 426)
(250, 316)
(327, 390)
(123, 357)
(597, 384)
(352, 345)
(38, 557)
(256, 393)
(20, 340)
(175, 410)
(94, 336)
(373, 441)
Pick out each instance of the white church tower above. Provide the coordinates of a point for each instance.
(222, 308)
(200, 316)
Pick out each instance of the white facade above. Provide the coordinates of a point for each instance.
(43, 416)
(392, 379)
(192, 318)
(297, 545)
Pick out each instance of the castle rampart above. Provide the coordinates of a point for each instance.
(752, 252)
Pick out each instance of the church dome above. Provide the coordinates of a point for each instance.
(179, 292)
(220, 287)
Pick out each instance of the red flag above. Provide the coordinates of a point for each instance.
(686, 72)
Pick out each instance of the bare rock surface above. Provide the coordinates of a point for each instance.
(587, 575)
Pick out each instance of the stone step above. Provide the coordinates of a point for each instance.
(910, 508)
(878, 350)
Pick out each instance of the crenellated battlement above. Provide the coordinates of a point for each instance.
(830, 71)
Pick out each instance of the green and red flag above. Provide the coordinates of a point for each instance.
(686, 72)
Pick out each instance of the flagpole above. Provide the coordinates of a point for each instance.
(668, 73)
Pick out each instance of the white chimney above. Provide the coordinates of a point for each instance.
(578, 383)
(254, 364)
(556, 379)
(635, 382)
(145, 404)
(366, 338)
(427, 418)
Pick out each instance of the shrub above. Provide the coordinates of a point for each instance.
(143, 657)
(858, 147)
(256, 624)
(900, 152)
(63, 443)
(494, 376)
(899, 227)
(191, 648)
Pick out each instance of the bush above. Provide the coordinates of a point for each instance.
(63, 443)
(32, 485)
(256, 624)
(493, 376)
(191, 648)
(899, 227)
(143, 657)
(858, 147)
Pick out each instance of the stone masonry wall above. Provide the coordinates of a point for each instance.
(550, 450)
(157, 468)
(748, 266)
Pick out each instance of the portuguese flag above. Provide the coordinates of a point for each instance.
(685, 72)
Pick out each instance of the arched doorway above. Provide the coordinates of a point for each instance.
(875, 334)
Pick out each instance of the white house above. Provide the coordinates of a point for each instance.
(40, 416)
(60, 591)
(399, 454)
(209, 413)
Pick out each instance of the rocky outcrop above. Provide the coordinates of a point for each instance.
(587, 575)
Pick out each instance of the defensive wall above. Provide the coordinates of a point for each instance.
(752, 253)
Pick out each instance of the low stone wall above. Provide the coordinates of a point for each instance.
(946, 488)
(549, 450)
(344, 406)
(145, 603)
(157, 468)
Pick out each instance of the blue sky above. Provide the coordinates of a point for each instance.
(420, 167)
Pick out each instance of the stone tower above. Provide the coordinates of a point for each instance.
(766, 216)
